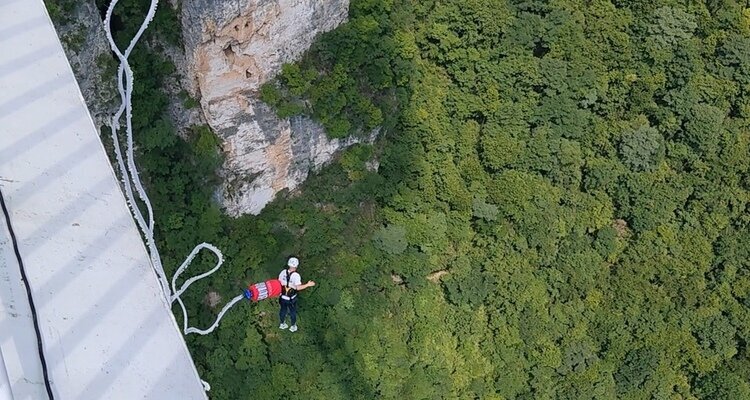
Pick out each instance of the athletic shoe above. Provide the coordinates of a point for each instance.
(284, 326)
(293, 328)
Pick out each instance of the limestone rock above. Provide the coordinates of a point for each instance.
(232, 47)
(266, 155)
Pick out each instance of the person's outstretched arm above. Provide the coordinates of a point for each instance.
(306, 285)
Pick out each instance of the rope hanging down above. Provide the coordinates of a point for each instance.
(124, 72)
(130, 174)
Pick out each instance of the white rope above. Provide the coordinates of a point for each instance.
(126, 93)
(177, 293)
(130, 175)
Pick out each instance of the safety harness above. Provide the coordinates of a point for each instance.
(287, 290)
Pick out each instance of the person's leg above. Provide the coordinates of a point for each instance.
(293, 311)
(282, 310)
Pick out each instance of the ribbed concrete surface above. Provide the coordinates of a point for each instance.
(107, 332)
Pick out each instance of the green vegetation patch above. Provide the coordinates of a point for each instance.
(560, 212)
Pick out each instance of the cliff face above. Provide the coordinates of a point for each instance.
(81, 32)
(231, 48)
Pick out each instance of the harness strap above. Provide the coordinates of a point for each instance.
(289, 292)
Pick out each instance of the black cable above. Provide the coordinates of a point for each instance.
(31, 299)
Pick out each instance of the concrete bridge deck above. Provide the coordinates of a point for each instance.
(106, 330)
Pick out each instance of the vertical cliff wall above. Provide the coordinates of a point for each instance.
(81, 32)
(231, 48)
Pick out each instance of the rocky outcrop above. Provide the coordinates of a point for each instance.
(184, 112)
(234, 46)
(267, 155)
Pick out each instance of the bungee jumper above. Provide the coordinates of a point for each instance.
(286, 288)
(291, 283)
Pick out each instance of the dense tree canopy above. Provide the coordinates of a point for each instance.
(560, 212)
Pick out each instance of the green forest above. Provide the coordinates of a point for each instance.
(561, 209)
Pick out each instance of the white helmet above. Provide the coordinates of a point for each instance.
(293, 262)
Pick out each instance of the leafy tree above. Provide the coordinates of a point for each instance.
(391, 239)
(723, 385)
(642, 148)
(637, 367)
(703, 130)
